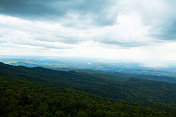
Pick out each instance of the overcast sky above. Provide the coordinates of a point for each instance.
(135, 30)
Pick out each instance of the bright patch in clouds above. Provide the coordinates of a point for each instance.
(141, 31)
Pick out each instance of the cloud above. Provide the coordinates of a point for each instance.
(24, 32)
(128, 32)
(158, 14)
(137, 30)
(57, 9)
(167, 31)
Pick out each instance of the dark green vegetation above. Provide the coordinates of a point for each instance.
(35, 92)
(98, 83)
(21, 97)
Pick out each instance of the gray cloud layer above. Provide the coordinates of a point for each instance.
(141, 30)
(125, 23)
(100, 11)
(167, 32)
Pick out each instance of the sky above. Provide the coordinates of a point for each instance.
(143, 31)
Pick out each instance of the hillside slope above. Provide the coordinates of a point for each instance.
(22, 97)
(102, 85)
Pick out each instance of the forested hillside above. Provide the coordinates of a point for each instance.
(99, 84)
(21, 97)
(44, 92)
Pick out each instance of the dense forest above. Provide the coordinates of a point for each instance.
(34, 92)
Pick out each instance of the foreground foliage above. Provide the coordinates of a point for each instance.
(22, 97)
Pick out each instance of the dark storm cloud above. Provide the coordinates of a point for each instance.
(49, 9)
(168, 31)
(23, 8)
